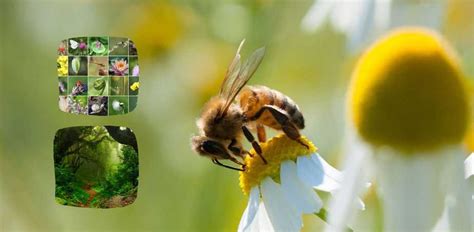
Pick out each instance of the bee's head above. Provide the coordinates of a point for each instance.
(206, 146)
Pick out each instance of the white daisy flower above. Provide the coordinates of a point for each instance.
(363, 20)
(282, 190)
(409, 109)
(469, 166)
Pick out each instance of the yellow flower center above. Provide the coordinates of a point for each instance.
(469, 140)
(275, 151)
(408, 92)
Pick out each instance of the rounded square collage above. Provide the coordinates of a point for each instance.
(98, 75)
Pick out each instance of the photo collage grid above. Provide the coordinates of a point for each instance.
(98, 75)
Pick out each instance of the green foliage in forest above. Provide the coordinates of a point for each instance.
(93, 169)
(124, 181)
(68, 188)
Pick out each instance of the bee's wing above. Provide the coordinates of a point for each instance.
(239, 76)
(231, 74)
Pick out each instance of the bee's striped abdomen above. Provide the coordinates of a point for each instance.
(253, 98)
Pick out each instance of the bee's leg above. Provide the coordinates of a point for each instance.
(236, 161)
(237, 151)
(286, 125)
(248, 153)
(262, 136)
(215, 161)
(255, 144)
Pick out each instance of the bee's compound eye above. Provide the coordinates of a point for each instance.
(213, 147)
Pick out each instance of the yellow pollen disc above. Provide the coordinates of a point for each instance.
(469, 140)
(408, 93)
(275, 151)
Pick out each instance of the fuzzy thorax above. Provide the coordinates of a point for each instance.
(275, 151)
(408, 93)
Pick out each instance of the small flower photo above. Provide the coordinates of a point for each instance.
(62, 65)
(62, 84)
(77, 65)
(132, 48)
(77, 104)
(62, 48)
(134, 85)
(118, 105)
(98, 46)
(98, 65)
(98, 105)
(118, 46)
(77, 86)
(118, 66)
(78, 46)
(118, 85)
(134, 69)
(99, 86)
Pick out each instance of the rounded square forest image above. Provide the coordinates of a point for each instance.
(96, 166)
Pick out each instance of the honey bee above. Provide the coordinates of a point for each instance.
(223, 123)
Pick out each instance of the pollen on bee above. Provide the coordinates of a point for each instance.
(275, 150)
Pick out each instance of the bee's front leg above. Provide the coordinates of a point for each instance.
(255, 144)
(236, 150)
(215, 161)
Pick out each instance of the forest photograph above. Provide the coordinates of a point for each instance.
(96, 167)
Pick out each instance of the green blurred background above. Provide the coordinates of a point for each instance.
(184, 48)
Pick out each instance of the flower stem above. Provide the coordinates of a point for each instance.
(323, 215)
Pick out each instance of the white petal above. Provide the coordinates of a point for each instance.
(316, 172)
(300, 195)
(261, 223)
(360, 204)
(458, 214)
(429, 15)
(469, 166)
(382, 15)
(251, 210)
(356, 19)
(317, 15)
(345, 200)
(416, 187)
(282, 214)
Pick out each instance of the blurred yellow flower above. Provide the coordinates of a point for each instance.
(62, 64)
(458, 23)
(469, 140)
(157, 27)
(410, 111)
(405, 91)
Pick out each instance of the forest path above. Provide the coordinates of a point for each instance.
(91, 192)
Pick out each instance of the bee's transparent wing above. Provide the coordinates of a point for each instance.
(231, 74)
(239, 76)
